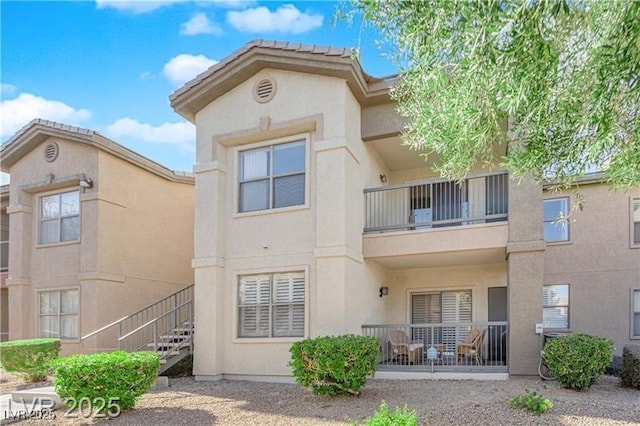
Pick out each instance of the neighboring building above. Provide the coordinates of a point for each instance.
(4, 263)
(95, 232)
(312, 218)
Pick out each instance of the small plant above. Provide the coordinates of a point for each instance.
(334, 365)
(117, 376)
(399, 417)
(532, 401)
(578, 360)
(630, 376)
(30, 358)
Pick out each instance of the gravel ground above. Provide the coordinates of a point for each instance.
(189, 402)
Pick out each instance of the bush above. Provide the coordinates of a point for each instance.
(578, 360)
(334, 365)
(399, 417)
(615, 367)
(117, 376)
(630, 376)
(532, 401)
(30, 357)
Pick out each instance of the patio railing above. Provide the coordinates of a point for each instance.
(437, 203)
(443, 346)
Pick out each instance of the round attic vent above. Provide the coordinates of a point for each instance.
(264, 90)
(51, 152)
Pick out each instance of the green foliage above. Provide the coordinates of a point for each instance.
(30, 357)
(565, 73)
(398, 417)
(334, 365)
(120, 376)
(578, 360)
(532, 401)
(630, 376)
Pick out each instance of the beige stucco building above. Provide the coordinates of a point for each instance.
(95, 232)
(312, 218)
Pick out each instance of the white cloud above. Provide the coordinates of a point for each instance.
(184, 67)
(147, 75)
(7, 89)
(181, 133)
(135, 6)
(229, 4)
(19, 111)
(285, 19)
(199, 24)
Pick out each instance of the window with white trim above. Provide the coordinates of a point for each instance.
(59, 314)
(636, 314)
(271, 305)
(555, 306)
(59, 218)
(556, 221)
(635, 219)
(272, 177)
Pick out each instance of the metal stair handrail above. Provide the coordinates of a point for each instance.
(154, 311)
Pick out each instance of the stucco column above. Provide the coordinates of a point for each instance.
(19, 279)
(525, 254)
(208, 264)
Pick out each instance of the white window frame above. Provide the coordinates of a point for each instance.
(635, 310)
(557, 221)
(303, 137)
(271, 305)
(59, 315)
(633, 202)
(568, 306)
(41, 198)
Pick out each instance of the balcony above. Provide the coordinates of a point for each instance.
(442, 347)
(438, 222)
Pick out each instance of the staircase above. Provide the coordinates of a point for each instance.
(165, 327)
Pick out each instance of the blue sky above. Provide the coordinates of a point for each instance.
(110, 65)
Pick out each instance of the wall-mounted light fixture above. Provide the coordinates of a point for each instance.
(384, 291)
(86, 183)
(383, 178)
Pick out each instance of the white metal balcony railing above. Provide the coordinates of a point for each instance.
(442, 347)
(437, 203)
(4, 256)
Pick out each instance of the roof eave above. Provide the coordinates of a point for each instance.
(193, 97)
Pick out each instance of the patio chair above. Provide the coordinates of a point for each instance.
(471, 346)
(402, 346)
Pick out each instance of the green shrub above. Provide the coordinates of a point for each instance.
(398, 417)
(30, 358)
(334, 365)
(630, 376)
(578, 360)
(532, 401)
(117, 376)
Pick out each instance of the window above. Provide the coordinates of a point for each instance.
(556, 223)
(59, 217)
(555, 306)
(272, 177)
(635, 222)
(441, 307)
(636, 313)
(59, 314)
(271, 305)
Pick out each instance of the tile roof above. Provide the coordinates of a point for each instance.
(342, 52)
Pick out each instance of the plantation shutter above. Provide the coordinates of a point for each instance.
(425, 308)
(555, 302)
(254, 296)
(288, 309)
(636, 221)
